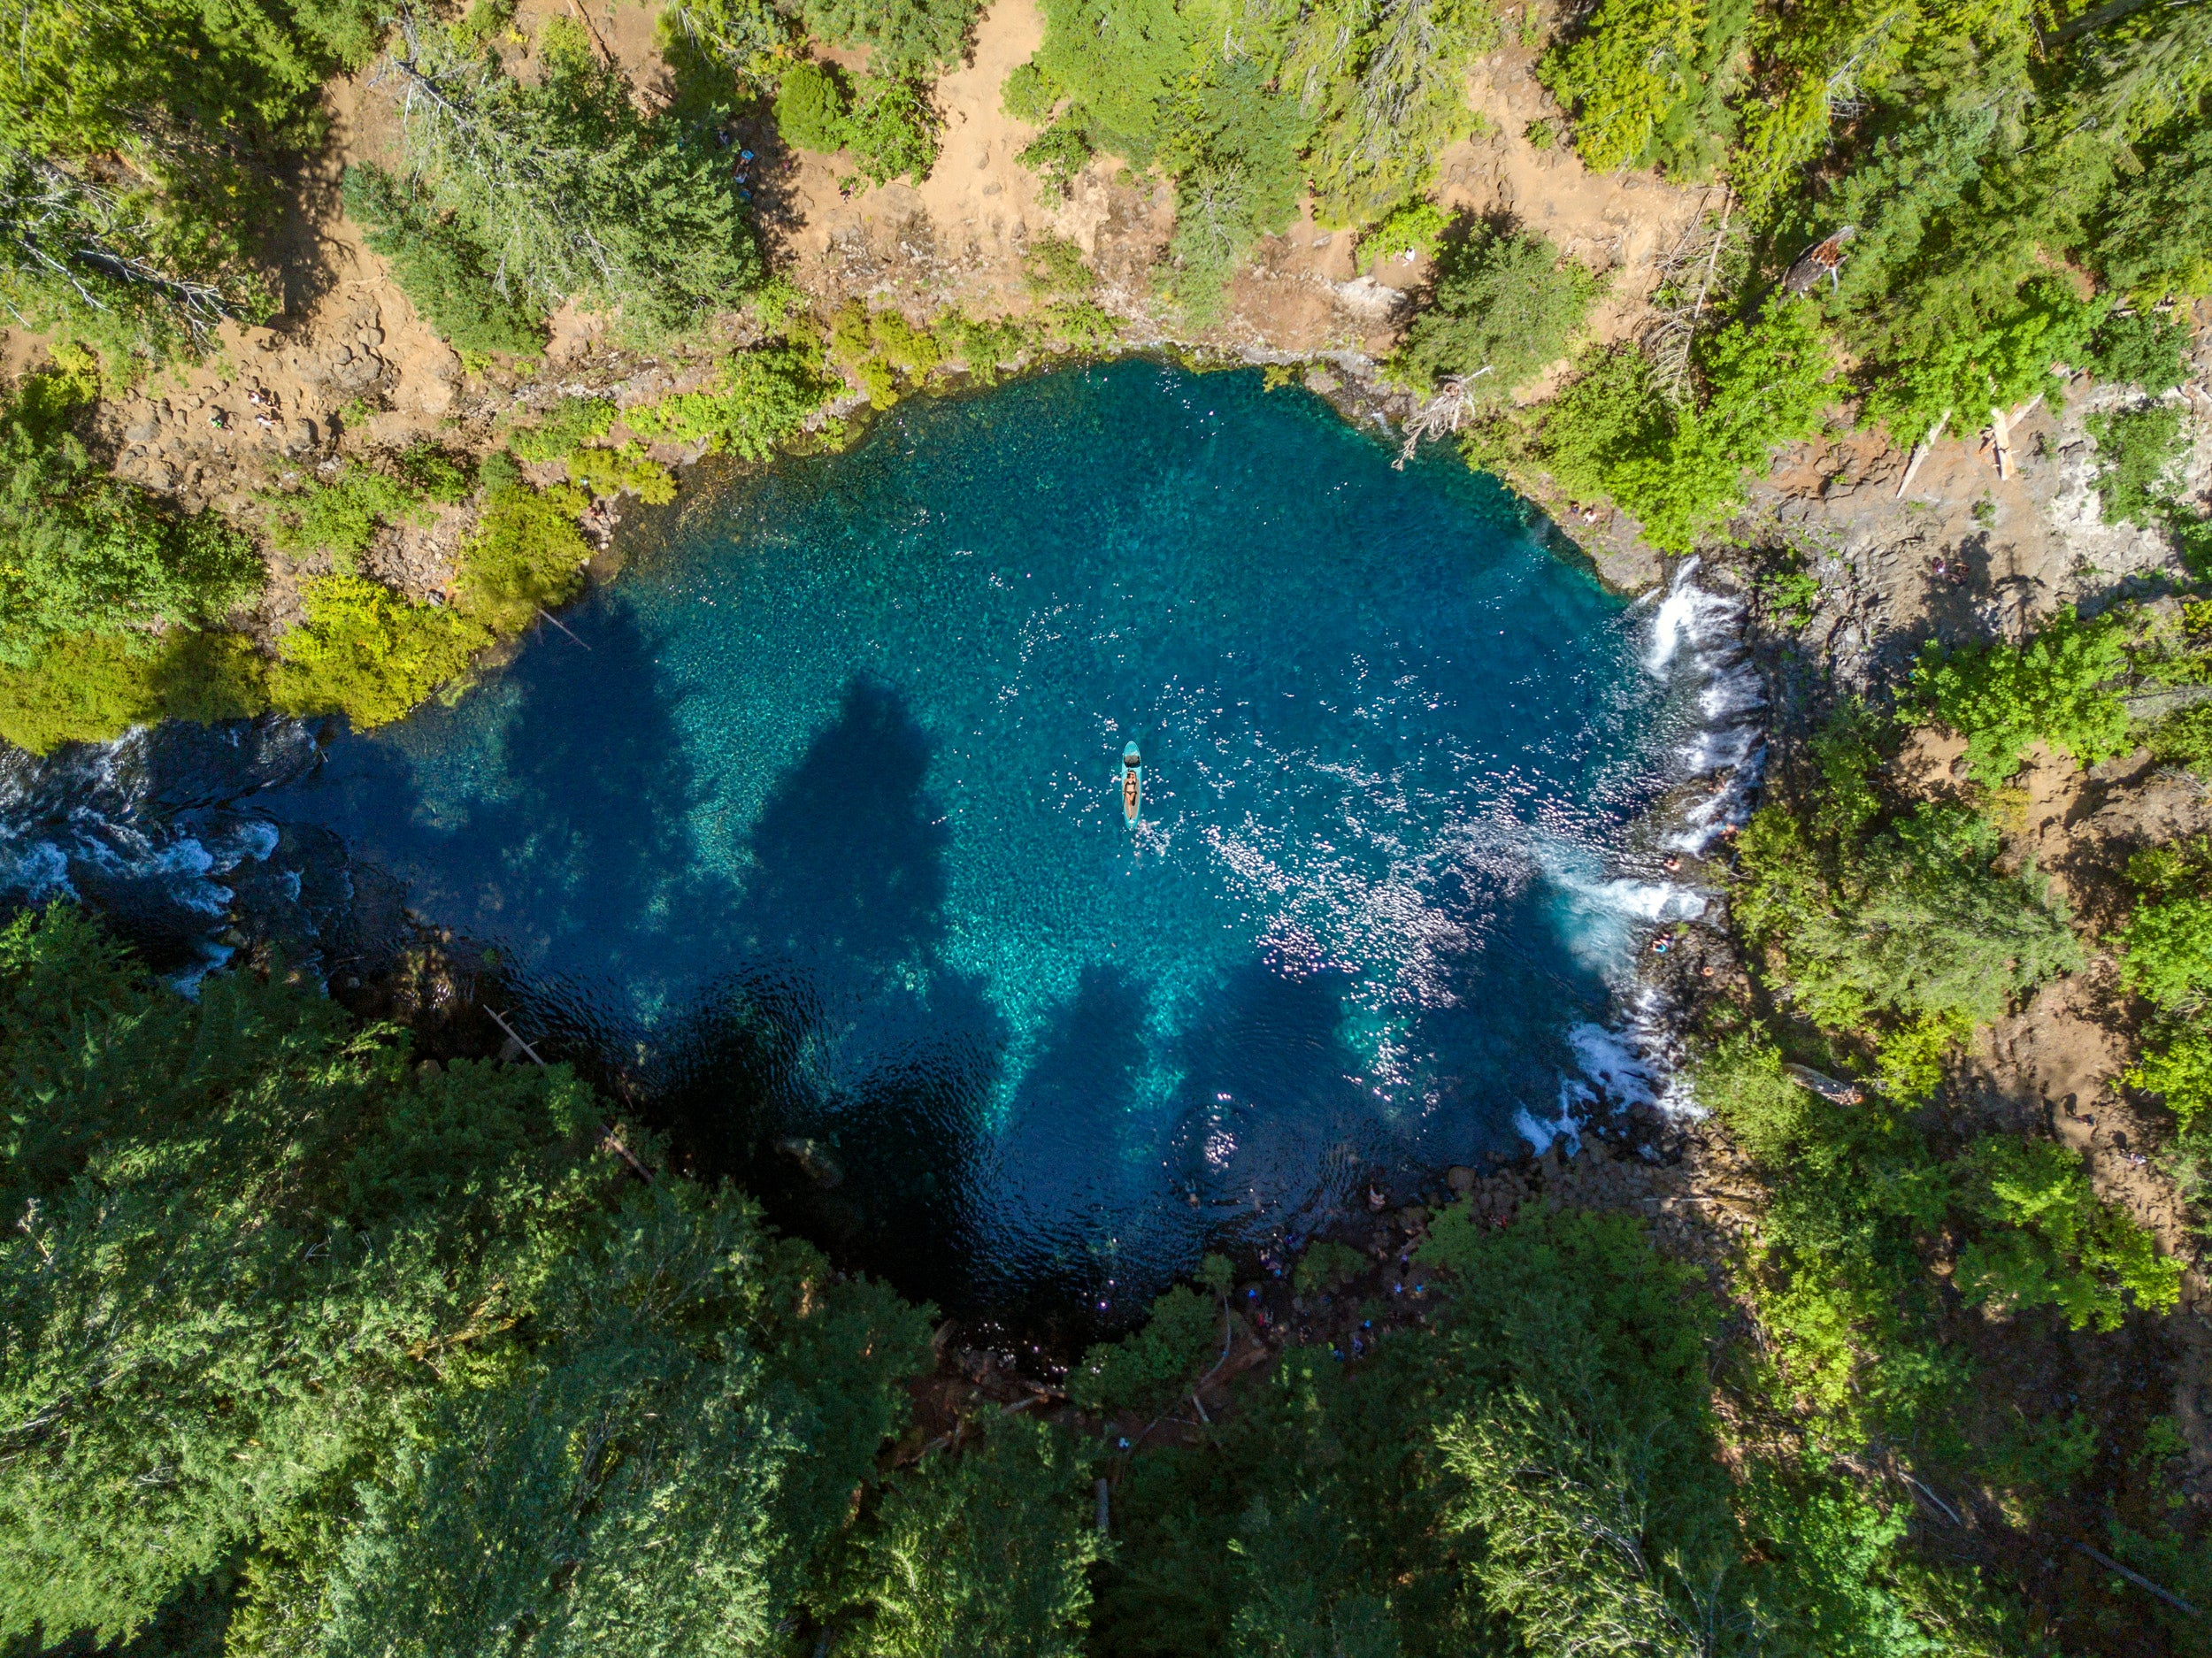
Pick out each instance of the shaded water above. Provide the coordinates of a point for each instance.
(814, 829)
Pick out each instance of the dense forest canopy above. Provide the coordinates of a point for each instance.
(315, 1348)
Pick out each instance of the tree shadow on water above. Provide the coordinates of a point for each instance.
(848, 854)
(1275, 1122)
(1064, 1183)
(794, 1029)
(842, 1072)
(574, 855)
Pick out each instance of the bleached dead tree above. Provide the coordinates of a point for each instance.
(1442, 414)
(60, 226)
(1687, 277)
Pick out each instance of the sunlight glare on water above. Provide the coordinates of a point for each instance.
(822, 836)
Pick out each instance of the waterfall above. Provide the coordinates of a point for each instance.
(1696, 635)
(156, 829)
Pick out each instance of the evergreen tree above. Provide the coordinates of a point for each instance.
(985, 1552)
(565, 191)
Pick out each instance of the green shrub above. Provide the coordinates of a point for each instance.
(497, 471)
(1505, 306)
(441, 270)
(908, 37)
(984, 345)
(1057, 155)
(1080, 325)
(1830, 1567)
(2187, 1160)
(1144, 1373)
(340, 517)
(1327, 1264)
(1790, 595)
(2157, 238)
(81, 552)
(1911, 1056)
(562, 429)
(1053, 268)
(1682, 474)
(94, 687)
(2179, 1071)
(1995, 362)
(435, 475)
(2141, 350)
(2167, 942)
(1838, 1278)
(887, 124)
(2192, 534)
(1605, 416)
(2050, 1242)
(487, 19)
(812, 107)
(2056, 687)
(913, 351)
(367, 654)
(2140, 449)
(1914, 928)
(2169, 951)
(1028, 96)
(759, 400)
(895, 129)
(527, 556)
(881, 347)
(2183, 737)
(987, 1552)
(1414, 227)
(605, 472)
(1648, 82)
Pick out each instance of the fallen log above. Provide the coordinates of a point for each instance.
(1920, 453)
(2138, 1579)
(1827, 1087)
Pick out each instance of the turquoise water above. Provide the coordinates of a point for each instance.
(814, 827)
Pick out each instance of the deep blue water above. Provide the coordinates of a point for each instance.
(816, 833)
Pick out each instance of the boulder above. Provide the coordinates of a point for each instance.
(815, 1158)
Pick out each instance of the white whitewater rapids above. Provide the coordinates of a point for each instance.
(155, 825)
(1696, 633)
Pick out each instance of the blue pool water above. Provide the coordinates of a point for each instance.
(813, 828)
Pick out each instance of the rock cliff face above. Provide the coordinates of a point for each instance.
(1963, 553)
